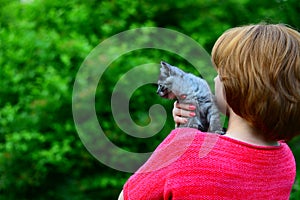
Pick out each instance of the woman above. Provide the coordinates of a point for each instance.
(258, 85)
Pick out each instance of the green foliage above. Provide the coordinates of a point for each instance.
(42, 45)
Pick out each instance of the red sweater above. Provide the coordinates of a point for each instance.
(191, 165)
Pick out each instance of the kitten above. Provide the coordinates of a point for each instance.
(187, 88)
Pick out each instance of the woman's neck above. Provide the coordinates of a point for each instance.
(239, 129)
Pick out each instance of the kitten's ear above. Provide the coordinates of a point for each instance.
(165, 68)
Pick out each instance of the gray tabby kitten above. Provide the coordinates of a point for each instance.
(187, 88)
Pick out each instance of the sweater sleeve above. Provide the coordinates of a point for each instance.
(148, 182)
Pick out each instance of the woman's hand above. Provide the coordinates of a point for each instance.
(181, 112)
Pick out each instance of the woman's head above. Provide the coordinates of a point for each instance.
(259, 66)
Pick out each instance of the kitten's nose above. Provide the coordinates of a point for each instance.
(159, 89)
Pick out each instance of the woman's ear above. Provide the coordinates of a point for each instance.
(220, 96)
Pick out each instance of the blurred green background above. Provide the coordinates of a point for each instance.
(43, 44)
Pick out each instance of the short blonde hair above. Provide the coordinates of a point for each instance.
(259, 66)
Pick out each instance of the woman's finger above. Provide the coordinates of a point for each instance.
(180, 120)
(181, 112)
(184, 106)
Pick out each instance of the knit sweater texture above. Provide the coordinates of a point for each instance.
(191, 165)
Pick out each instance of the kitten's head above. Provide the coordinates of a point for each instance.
(166, 81)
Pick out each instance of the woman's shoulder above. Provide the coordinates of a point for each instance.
(221, 147)
(192, 143)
